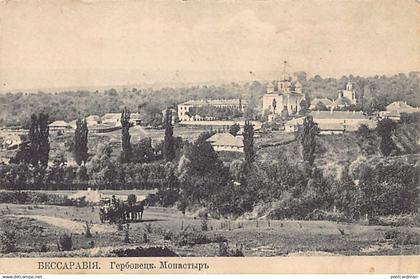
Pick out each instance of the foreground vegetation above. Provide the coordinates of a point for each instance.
(168, 232)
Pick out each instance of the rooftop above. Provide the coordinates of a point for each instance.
(226, 139)
(214, 102)
(338, 115)
(59, 123)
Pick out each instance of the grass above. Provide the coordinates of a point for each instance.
(277, 238)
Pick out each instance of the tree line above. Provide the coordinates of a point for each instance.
(373, 93)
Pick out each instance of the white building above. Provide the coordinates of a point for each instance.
(283, 95)
(226, 142)
(184, 113)
(334, 122)
(59, 126)
(93, 120)
(112, 119)
(394, 110)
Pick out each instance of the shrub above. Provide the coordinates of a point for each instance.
(191, 238)
(65, 242)
(393, 220)
(145, 252)
(168, 235)
(8, 241)
(88, 234)
(43, 248)
(127, 234)
(322, 215)
(148, 228)
(204, 224)
(224, 250)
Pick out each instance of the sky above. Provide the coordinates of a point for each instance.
(46, 44)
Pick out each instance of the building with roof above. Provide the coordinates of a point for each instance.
(112, 119)
(184, 109)
(346, 97)
(325, 101)
(334, 122)
(59, 126)
(135, 118)
(226, 142)
(92, 120)
(283, 96)
(393, 111)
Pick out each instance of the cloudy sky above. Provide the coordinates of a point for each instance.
(95, 43)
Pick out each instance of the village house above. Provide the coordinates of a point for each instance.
(184, 113)
(111, 119)
(283, 96)
(135, 119)
(114, 119)
(334, 122)
(393, 111)
(59, 126)
(226, 142)
(92, 120)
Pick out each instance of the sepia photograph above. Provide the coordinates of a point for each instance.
(191, 129)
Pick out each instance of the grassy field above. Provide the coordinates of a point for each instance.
(37, 225)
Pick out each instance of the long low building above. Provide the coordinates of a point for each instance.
(226, 142)
(334, 122)
(185, 114)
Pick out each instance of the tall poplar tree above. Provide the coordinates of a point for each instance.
(249, 143)
(169, 141)
(307, 137)
(44, 144)
(125, 136)
(80, 141)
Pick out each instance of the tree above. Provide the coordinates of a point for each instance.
(320, 106)
(307, 137)
(303, 107)
(249, 142)
(34, 140)
(126, 153)
(39, 146)
(201, 174)
(44, 144)
(101, 167)
(169, 144)
(385, 129)
(234, 129)
(143, 152)
(80, 140)
(274, 104)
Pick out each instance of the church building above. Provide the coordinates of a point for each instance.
(283, 96)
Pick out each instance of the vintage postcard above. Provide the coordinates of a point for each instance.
(209, 136)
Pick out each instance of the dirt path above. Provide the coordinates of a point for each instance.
(72, 226)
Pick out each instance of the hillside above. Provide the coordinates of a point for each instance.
(333, 152)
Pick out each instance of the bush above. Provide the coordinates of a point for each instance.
(8, 241)
(191, 238)
(88, 234)
(28, 197)
(318, 214)
(145, 252)
(168, 235)
(65, 243)
(394, 220)
(204, 224)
